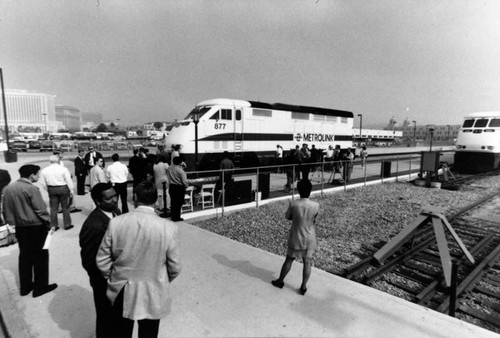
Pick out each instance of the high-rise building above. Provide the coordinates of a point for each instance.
(29, 110)
(69, 116)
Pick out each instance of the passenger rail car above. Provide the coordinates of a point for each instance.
(250, 131)
(478, 143)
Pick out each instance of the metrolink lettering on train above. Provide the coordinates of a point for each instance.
(318, 137)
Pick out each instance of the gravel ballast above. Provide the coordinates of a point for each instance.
(348, 221)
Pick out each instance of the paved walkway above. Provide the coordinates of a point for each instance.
(223, 291)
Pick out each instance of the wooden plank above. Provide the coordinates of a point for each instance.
(480, 315)
(487, 292)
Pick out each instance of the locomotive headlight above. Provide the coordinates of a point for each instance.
(490, 147)
(459, 146)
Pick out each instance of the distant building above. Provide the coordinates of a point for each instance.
(375, 137)
(69, 116)
(440, 133)
(29, 110)
(94, 117)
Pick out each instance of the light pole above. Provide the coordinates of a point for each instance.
(414, 131)
(45, 122)
(4, 110)
(196, 120)
(360, 127)
(431, 131)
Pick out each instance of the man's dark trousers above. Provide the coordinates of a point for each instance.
(32, 257)
(121, 190)
(176, 193)
(80, 184)
(103, 308)
(124, 327)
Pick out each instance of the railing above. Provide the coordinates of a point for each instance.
(245, 185)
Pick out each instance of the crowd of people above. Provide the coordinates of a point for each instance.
(131, 256)
(301, 161)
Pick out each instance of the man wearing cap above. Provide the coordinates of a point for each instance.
(80, 173)
(57, 180)
(91, 158)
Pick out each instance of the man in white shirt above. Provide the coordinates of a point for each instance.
(57, 180)
(117, 174)
(97, 174)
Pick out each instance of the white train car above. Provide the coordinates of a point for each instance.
(251, 130)
(478, 143)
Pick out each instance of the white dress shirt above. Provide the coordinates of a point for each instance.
(56, 175)
(117, 172)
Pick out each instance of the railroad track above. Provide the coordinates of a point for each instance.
(415, 270)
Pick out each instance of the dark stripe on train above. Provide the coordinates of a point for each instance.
(263, 137)
(301, 109)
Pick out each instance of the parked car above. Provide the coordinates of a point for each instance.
(46, 145)
(66, 146)
(19, 146)
(121, 146)
(34, 144)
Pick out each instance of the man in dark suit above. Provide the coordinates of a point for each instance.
(80, 173)
(91, 158)
(4, 181)
(91, 235)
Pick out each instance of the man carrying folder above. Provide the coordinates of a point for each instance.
(24, 207)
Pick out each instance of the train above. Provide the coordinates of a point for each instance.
(478, 143)
(250, 131)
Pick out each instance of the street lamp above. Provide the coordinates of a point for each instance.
(196, 120)
(360, 127)
(414, 131)
(45, 121)
(4, 110)
(431, 128)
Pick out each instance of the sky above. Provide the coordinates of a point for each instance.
(141, 61)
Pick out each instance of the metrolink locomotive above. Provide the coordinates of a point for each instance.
(478, 143)
(250, 131)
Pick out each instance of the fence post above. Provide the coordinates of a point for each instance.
(257, 188)
(366, 165)
(409, 170)
(223, 191)
(322, 175)
(397, 168)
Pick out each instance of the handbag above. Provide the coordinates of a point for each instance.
(7, 235)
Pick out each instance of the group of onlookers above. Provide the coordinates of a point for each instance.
(303, 160)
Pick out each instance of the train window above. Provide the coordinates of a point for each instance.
(481, 123)
(489, 130)
(331, 118)
(468, 123)
(262, 112)
(226, 114)
(467, 130)
(317, 117)
(477, 131)
(343, 120)
(300, 116)
(215, 116)
(238, 115)
(494, 123)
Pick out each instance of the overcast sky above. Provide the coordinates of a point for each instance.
(430, 61)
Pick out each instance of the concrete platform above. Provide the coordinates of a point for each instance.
(223, 291)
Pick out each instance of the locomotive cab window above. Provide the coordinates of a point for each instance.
(468, 123)
(481, 123)
(238, 115)
(494, 123)
(222, 114)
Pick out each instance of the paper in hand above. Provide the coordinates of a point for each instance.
(46, 245)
